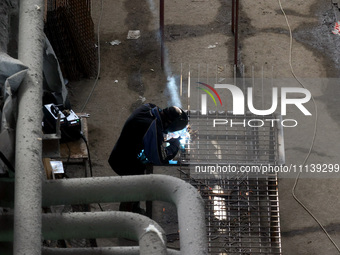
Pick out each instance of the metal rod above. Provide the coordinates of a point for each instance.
(233, 16)
(236, 32)
(281, 145)
(161, 28)
(28, 165)
(190, 206)
(189, 89)
(181, 82)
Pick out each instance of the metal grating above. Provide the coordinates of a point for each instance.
(245, 139)
(242, 209)
(70, 29)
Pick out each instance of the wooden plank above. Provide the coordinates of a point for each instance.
(48, 168)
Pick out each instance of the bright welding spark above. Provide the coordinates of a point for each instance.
(184, 134)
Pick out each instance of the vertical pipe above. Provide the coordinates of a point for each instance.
(189, 89)
(236, 32)
(233, 16)
(181, 82)
(161, 27)
(28, 166)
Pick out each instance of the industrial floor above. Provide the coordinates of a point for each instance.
(198, 32)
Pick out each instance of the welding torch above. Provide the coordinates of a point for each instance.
(177, 143)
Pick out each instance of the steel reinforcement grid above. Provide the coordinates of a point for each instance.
(242, 207)
(70, 29)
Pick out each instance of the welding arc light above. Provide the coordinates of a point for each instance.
(209, 93)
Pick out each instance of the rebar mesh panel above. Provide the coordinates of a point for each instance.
(242, 214)
(221, 137)
(242, 210)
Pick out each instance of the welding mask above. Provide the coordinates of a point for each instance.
(174, 119)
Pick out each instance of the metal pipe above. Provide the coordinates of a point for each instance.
(151, 237)
(99, 251)
(236, 32)
(161, 28)
(281, 144)
(233, 16)
(28, 166)
(190, 205)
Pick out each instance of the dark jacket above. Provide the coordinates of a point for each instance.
(141, 132)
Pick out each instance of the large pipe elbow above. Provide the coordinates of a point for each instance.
(190, 205)
(151, 237)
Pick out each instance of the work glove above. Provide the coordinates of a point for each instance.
(173, 148)
(175, 142)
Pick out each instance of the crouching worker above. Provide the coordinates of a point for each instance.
(142, 142)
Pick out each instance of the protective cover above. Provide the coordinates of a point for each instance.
(12, 72)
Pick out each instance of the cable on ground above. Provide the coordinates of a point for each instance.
(314, 135)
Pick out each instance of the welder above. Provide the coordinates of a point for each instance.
(141, 142)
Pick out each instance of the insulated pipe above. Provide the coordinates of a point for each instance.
(190, 205)
(28, 167)
(151, 237)
(98, 251)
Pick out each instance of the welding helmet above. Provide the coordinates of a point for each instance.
(174, 119)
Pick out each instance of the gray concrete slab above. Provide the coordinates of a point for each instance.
(190, 28)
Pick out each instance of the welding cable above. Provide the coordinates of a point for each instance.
(99, 61)
(314, 135)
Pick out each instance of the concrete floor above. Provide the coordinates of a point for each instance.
(190, 27)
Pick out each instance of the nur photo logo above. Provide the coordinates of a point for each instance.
(336, 29)
(204, 97)
(239, 99)
(280, 97)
